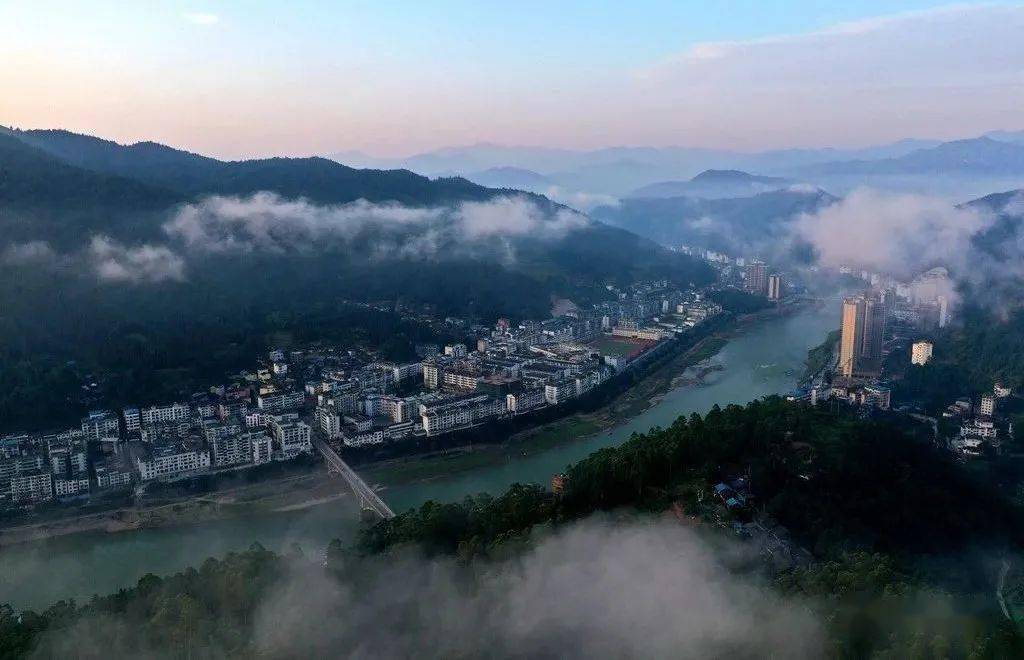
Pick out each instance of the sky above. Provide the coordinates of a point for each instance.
(244, 78)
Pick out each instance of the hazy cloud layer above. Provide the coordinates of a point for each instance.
(595, 590)
(950, 71)
(898, 234)
(115, 262)
(29, 253)
(266, 222)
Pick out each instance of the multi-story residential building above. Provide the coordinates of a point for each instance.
(132, 419)
(775, 287)
(231, 448)
(757, 278)
(431, 375)
(525, 401)
(459, 413)
(291, 434)
(101, 425)
(456, 350)
(920, 352)
(172, 412)
(32, 487)
(276, 402)
(112, 473)
(261, 446)
(329, 421)
(171, 461)
(559, 392)
(74, 486)
(860, 342)
(987, 406)
(461, 379)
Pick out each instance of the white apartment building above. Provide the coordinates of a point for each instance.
(72, 487)
(112, 476)
(231, 449)
(100, 425)
(261, 447)
(329, 421)
(525, 401)
(460, 379)
(170, 461)
(291, 434)
(132, 419)
(920, 352)
(32, 487)
(280, 401)
(172, 412)
(556, 393)
(448, 416)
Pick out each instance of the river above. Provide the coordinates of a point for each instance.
(766, 358)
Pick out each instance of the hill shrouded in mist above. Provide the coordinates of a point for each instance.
(738, 226)
(714, 184)
(120, 257)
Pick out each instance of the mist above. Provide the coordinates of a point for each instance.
(603, 587)
(266, 223)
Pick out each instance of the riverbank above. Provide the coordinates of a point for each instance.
(34, 575)
(688, 368)
(292, 493)
(297, 492)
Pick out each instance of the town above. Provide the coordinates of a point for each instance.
(351, 399)
(886, 331)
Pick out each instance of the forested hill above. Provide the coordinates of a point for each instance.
(902, 542)
(317, 179)
(119, 258)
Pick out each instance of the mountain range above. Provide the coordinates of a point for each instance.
(961, 169)
(749, 225)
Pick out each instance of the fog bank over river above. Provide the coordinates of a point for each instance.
(765, 359)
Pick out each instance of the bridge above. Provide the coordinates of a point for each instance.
(367, 496)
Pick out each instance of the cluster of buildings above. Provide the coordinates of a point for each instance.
(511, 370)
(352, 398)
(760, 282)
(226, 428)
(981, 427)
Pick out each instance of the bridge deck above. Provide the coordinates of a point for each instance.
(354, 481)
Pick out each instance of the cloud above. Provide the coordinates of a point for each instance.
(601, 588)
(584, 201)
(268, 223)
(114, 262)
(899, 234)
(201, 18)
(30, 253)
(945, 72)
(515, 216)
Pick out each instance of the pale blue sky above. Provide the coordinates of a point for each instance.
(238, 78)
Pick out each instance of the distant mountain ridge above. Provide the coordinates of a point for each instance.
(714, 184)
(980, 156)
(738, 226)
(511, 177)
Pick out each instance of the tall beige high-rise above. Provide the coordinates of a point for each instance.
(863, 329)
(852, 335)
